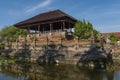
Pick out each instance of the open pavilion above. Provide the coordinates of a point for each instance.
(48, 22)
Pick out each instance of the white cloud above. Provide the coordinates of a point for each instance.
(41, 5)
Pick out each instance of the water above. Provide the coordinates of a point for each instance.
(54, 72)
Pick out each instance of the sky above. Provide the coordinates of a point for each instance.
(103, 14)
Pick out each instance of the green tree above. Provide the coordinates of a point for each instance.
(11, 33)
(96, 33)
(114, 38)
(84, 30)
(78, 29)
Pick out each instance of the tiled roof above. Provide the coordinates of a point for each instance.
(51, 15)
(117, 34)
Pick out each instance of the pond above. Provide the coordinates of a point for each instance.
(17, 71)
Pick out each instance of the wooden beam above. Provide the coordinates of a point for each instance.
(42, 23)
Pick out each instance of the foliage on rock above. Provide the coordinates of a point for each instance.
(114, 38)
(11, 33)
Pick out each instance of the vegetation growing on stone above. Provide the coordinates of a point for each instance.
(11, 33)
(113, 38)
(84, 30)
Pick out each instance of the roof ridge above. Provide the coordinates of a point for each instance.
(66, 14)
(42, 14)
(48, 12)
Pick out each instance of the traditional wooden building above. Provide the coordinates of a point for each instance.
(48, 22)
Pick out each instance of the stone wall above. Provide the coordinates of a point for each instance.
(51, 53)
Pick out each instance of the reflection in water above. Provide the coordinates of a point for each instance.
(117, 75)
(54, 72)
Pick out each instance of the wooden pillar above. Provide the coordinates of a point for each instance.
(69, 24)
(39, 30)
(51, 27)
(28, 30)
(43, 29)
(63, 25)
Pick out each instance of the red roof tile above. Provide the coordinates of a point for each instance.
(117, 34)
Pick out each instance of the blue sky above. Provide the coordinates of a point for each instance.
(103, 14)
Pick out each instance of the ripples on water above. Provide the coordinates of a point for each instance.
(54, 72)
